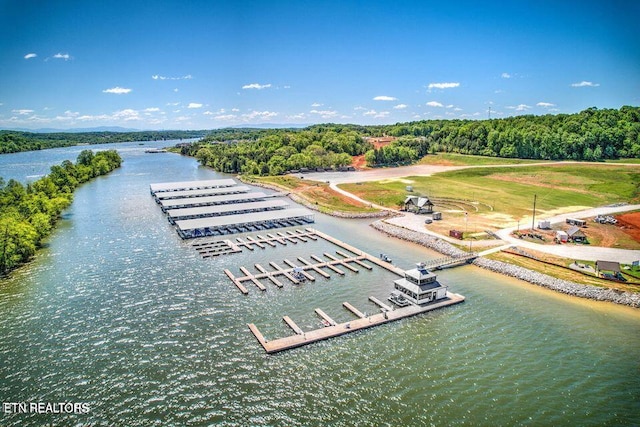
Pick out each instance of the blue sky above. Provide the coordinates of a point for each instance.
(210, 64)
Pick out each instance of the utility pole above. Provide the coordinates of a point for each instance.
(533, 221)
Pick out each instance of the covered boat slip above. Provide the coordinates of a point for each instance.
(193, 202)
(228, 209)
(191, 185)
(228, 224)
(184, 194)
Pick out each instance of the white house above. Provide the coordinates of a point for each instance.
(420, 285)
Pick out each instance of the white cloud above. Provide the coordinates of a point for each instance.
(286, 87)
(450, 106)
(520, 107)
(127, 115)
(297, 116)
(22, 112)
(30, 55)
(176, 90)
(174, 104)
(400, 107)
(117, 90)
(585, 84)
(235, 110)
(158, 77)
(385, 98)
(376, 114)
(545, 104)
(152, 109)
(225, 117)
(443, 85)
(505, 75)
(434, 104)
(316, 105)
(194, 105)
(359, 107)
(325, 114)
(64, 56)
(256, 86)
(457, 109)
(262, 115)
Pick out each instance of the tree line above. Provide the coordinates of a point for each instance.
(591, 135)
(276, 151)
(28, 213)
(16, 141)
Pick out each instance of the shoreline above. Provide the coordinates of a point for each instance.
(441, 246)
(529, 276)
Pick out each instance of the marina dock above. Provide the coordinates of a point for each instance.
(302, 338)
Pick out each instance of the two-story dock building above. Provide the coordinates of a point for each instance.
(420, 286)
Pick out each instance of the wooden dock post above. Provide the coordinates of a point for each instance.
(314, 267)
(293, 325)
(269, 276)
(353, 310)
(304, 273)
(236, 282)
(341, 262)
(326, 264)
(285, 273)
(255, 242)
(380, 304)
(324, 316)
(253, 279)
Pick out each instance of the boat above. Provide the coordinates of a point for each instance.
(155, 151)
(398, 299)
(385, 258)
(298, 275)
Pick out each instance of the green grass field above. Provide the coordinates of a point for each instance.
(510, 190)
(318, 193)
(454, 159)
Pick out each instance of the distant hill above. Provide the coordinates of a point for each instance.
(16, 141)
(78, 130)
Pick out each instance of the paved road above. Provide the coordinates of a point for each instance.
(582, 252)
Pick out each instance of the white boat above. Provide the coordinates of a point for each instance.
(398, 299)
(385, 258)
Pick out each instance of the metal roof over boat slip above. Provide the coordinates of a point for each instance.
(216, 222)
(226, 209)
(181, 194)
(191, 185)
(212, 200)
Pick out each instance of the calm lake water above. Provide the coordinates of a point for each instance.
(120, 313)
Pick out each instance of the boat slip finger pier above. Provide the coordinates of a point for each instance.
(212, 211)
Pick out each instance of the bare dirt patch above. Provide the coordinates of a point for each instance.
(360, 163)
(629, 223)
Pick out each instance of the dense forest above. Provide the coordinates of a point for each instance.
(591, 135)
(275, 151)
(29, 213)
(16, 141)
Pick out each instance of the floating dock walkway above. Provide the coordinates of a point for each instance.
(302, 338)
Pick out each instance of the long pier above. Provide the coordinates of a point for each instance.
(302, 338)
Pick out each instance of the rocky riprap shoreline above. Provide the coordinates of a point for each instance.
(312, 206)
(540, 279)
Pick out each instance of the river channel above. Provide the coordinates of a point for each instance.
(119, 313)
